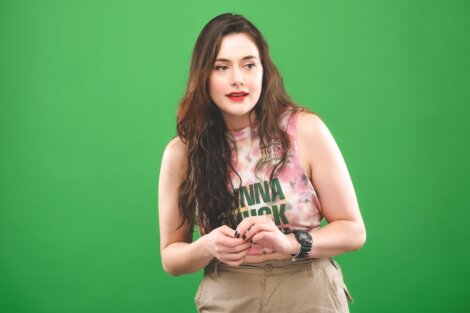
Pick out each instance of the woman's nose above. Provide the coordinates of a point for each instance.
(237, 77)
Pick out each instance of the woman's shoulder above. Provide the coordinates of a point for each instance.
(303, 122)
(308, 118)
(176, 144)
(175, 152)
(310, 124)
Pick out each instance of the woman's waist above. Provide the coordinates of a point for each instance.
(258, 258)
(271, 265)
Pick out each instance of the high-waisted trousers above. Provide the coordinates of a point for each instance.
(305, 285)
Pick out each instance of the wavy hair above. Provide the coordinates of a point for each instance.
(205, 196)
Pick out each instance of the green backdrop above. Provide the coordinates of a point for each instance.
(88, 95)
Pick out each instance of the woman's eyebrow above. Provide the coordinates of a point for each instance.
(244, 58)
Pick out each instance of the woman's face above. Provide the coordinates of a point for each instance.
(237, 70)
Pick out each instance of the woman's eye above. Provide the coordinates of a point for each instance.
(251, 65)
(220, 67)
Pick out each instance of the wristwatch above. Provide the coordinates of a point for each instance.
(305, 240)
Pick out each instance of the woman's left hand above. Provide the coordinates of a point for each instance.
(263, 231)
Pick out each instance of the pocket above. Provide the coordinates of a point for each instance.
(341, 282)
(200, 292)
(348, 295)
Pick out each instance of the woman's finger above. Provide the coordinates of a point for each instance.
(241, 247)
(265, 238)
(227, 231)
(235, 256)
(230, 242)
(259, 227)
(248, 222)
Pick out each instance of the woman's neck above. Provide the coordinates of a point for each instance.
(236, 123)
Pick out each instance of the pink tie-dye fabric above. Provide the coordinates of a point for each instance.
(289, 198)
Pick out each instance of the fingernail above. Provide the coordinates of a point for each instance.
(237, 234)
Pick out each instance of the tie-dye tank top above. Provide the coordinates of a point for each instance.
(289, 198)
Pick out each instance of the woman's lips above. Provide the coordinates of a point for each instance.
(237, 97)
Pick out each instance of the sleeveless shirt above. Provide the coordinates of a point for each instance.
(289, 198)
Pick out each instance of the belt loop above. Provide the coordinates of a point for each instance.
(312, 268)
(216, 269)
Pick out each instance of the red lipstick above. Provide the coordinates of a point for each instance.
(237, 95)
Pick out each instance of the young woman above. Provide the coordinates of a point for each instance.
(257, 174)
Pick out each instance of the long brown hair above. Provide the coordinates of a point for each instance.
(204, 196)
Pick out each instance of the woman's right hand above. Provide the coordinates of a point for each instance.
(223, 245)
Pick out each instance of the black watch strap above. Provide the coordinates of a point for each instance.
(305, 240)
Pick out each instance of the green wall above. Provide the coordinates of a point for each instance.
(88, 95)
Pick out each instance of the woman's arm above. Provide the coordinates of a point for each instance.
(180, 255)
(345, 230)
(327, 170)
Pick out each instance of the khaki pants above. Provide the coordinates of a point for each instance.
(307, 285)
